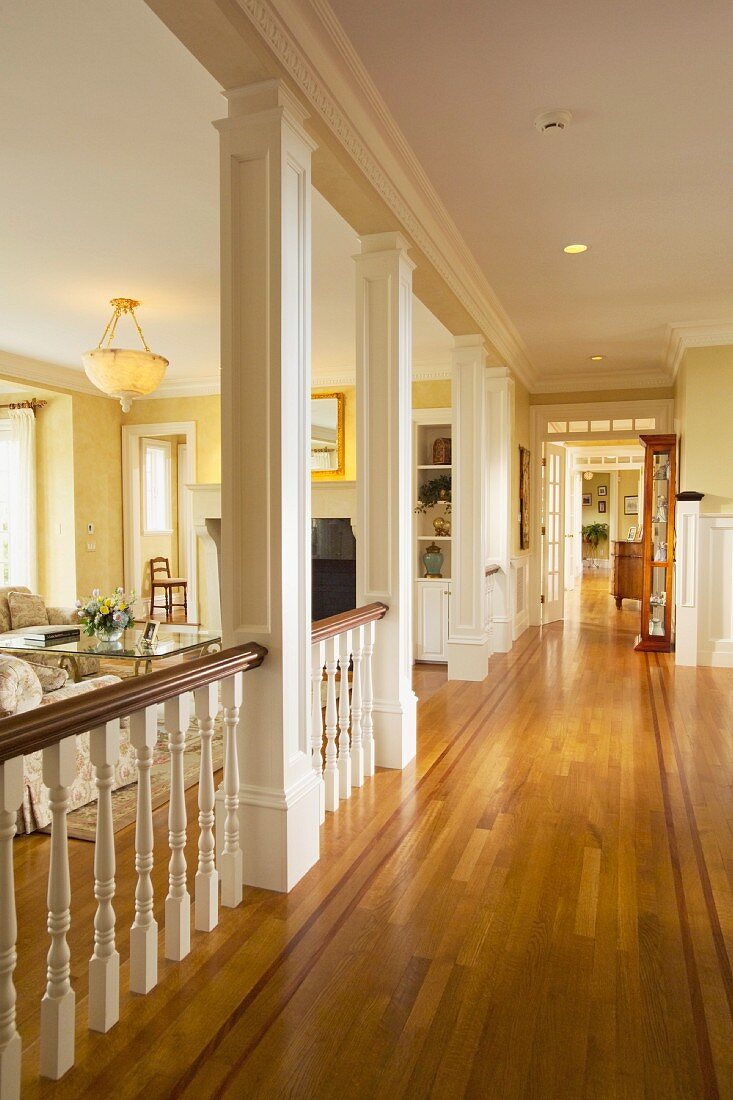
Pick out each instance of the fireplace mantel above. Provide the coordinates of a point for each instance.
(206, 514)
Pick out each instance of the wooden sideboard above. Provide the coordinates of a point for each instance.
(627, 571)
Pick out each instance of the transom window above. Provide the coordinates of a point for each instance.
(156, 465)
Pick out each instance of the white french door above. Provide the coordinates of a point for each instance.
(553, 541)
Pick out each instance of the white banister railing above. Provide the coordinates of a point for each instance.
(342, 648)
(54, 730)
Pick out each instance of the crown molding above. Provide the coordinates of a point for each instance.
(186, 387)
(312, 47)
(681, 337)
(336, 376)
(40, 372)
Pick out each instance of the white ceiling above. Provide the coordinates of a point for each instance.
(644, 174)
(109, 186)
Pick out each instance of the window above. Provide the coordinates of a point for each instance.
(156, 466)
(4, 502)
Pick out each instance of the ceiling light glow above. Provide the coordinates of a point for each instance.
(575, 249)
(597, 358)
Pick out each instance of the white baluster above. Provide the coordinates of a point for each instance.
(231, 857)
(344, 717)
(331, 775)
(367, 724)
(206, 906)
(104, 965)
(357, 746)
(11, 796)
(317, 662)
(178, 901)
(58, 1007)
(144, 931)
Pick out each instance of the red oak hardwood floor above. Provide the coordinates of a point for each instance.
(540, 906)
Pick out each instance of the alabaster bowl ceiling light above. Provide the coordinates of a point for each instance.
(124, 373)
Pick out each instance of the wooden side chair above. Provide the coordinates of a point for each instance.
(160, 578)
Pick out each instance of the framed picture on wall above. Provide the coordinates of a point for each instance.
(631, 505)
(587, 500)
(602, 490)
(601, 506)
(523, 498)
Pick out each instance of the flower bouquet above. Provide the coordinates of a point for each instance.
(106, 616)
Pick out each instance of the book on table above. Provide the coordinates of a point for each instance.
(52, 635)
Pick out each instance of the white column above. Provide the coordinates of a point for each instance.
(266, 559)
(384, 403)
(468, 641)
(687, 582)
(502, 511)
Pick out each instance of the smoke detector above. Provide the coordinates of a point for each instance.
(549, 121)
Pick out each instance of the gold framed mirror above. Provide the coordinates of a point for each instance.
(327, 435)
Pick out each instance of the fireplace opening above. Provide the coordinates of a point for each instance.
(333, 553)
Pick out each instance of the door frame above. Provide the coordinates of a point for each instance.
(551, 424)
(131, 505)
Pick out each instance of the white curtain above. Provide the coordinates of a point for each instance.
(23, 552)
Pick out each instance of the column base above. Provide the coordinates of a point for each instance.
(279, 833)
(502, 635)
(395, 732)
(468, 660)
(57, 1035)
(104, 993)
(10, 1057)
(144, 958)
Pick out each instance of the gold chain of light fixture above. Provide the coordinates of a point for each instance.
(120, 306)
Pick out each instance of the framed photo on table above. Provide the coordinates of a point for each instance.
(150, 633)
(631, 537)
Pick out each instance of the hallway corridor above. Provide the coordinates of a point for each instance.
(541, 907)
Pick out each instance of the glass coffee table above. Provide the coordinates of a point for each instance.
(130, 648)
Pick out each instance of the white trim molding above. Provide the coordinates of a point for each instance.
(681, 337)
(310, 44)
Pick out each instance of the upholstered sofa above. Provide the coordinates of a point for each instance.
(25, 686)
(11, 624)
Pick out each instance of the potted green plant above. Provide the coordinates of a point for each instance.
(435, 491)
(593, 534)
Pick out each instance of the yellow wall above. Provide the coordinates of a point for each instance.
(97, 444)
(704, 409)
(628, 485)
(432, 395)
(654, 394)
(520, 438)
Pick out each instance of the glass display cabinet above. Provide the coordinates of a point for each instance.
(658, 542)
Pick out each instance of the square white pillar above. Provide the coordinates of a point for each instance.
(468, 637)
(499, 456)
(266, 383)
(384, 514)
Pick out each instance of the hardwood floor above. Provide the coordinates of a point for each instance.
(540, 906)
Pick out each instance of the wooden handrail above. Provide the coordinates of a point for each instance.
(323, 629)
(36, 729)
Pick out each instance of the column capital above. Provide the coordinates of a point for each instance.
(266, 97)
(375, 243)
(469, 349)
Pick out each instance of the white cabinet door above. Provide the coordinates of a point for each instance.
(432, 621)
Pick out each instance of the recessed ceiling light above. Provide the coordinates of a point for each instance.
(597, 358)
(574, 249)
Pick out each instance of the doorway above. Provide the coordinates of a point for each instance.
(158, 463)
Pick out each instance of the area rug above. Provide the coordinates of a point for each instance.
(82, 823)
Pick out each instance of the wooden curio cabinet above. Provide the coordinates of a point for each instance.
(658, 542)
